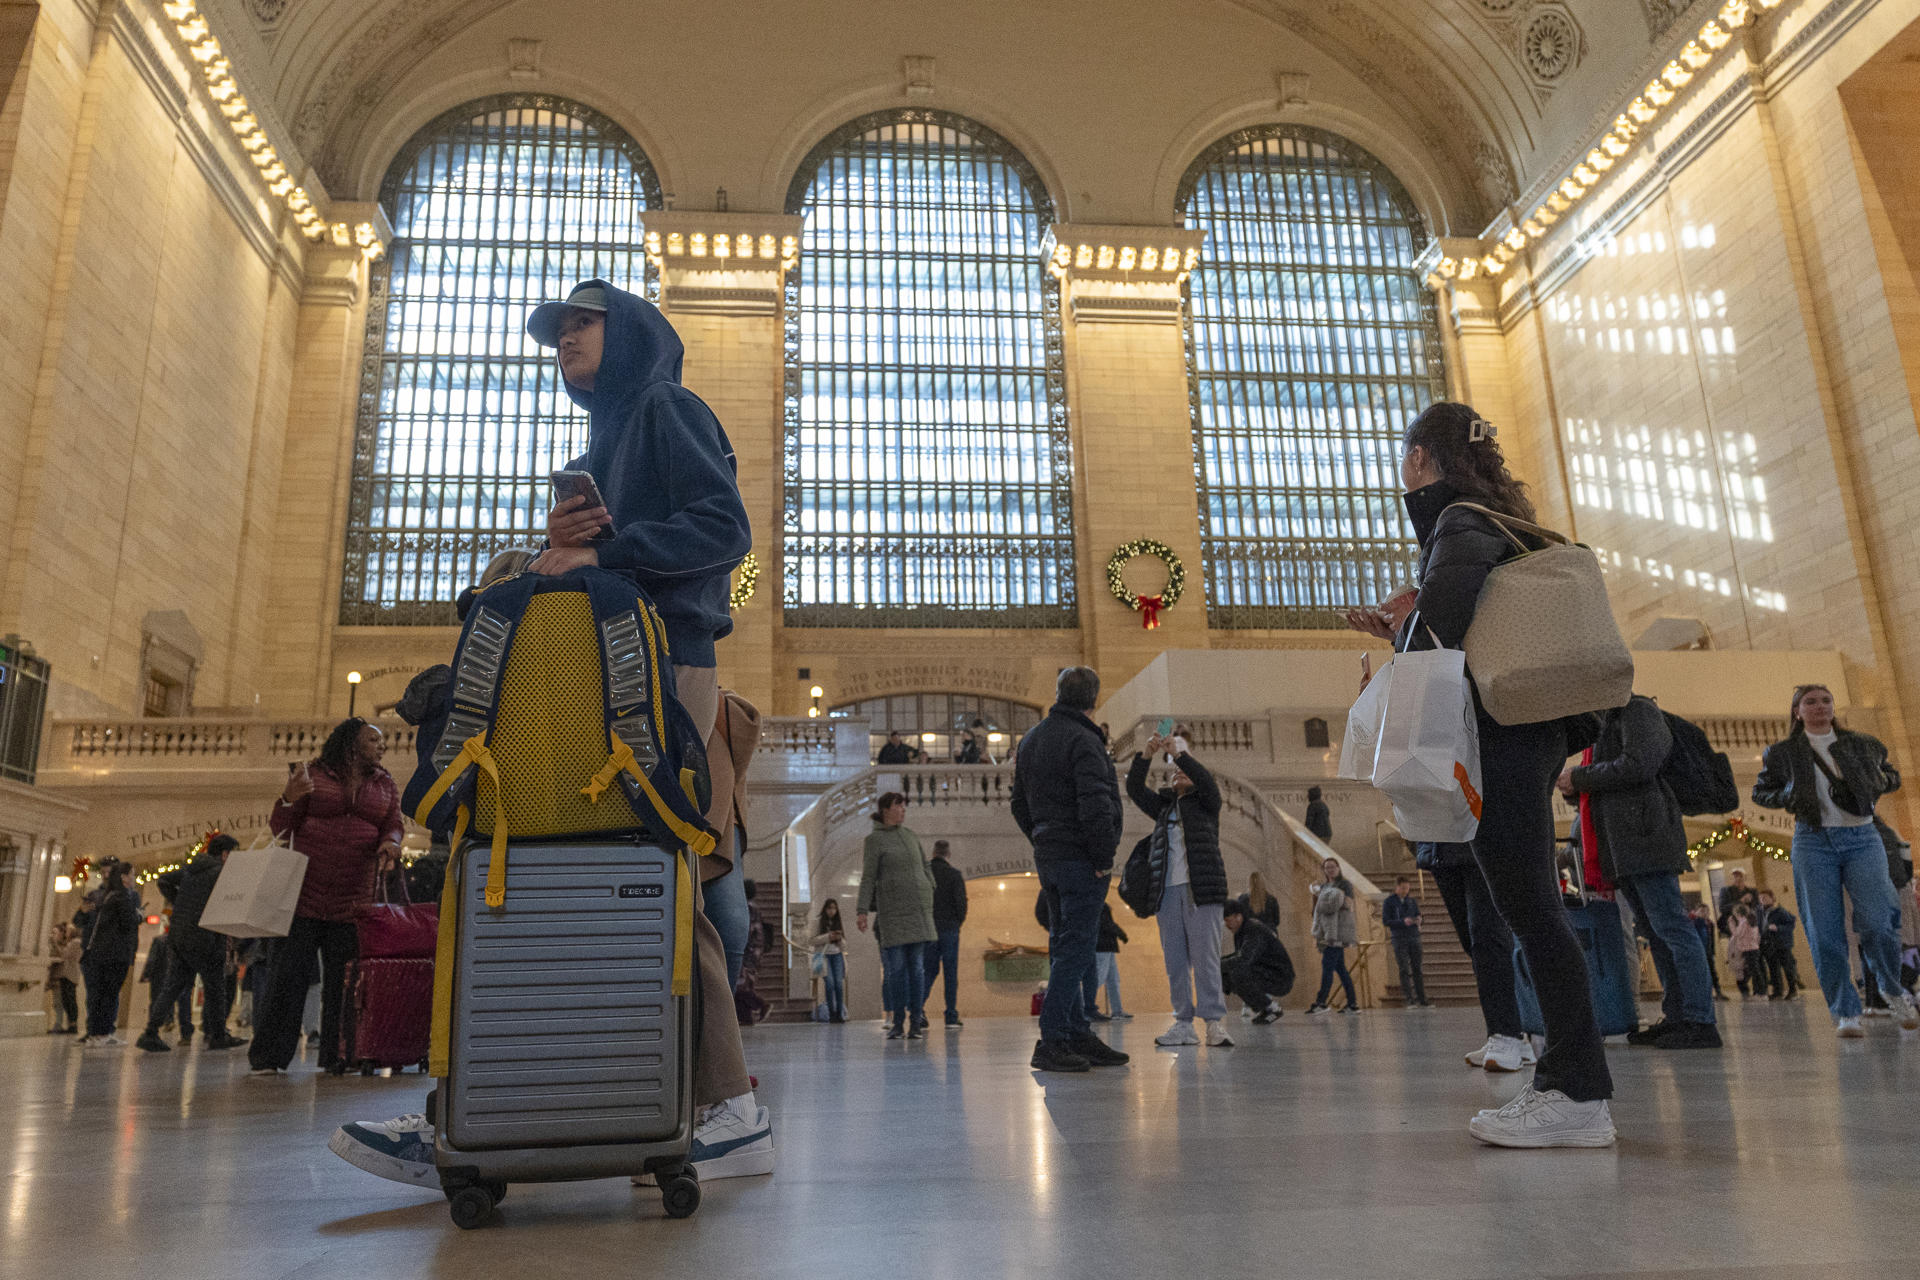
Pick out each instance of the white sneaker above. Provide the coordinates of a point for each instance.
(1217, 1035)
(1536, 1045)
(1545, 1119)
(1176, 1035)
(399, 1150)
(1501, 1053)
(728, 1143)
(1849, 1029)
(1904, 1011)
(108, 1042)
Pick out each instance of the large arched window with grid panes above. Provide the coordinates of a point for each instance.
(495, 205)
(927, 463)
(1311, 343)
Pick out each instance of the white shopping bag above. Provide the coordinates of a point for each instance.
(1428, 762)
(1362, 743)
(257, 891)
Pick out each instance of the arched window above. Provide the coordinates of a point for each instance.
(1311, 344)
(927, 462)
(496, 204)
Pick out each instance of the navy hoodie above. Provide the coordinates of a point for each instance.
(666, 470)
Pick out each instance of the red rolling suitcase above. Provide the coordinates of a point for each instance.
(389, 1011)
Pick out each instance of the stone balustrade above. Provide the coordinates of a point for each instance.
(101, 747)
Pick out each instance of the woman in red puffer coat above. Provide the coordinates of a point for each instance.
(343, 812)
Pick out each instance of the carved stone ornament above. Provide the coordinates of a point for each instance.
(523, 59)
(267, 12)
(1552, 43)
(918, 72)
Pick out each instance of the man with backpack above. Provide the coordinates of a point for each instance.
(1636, 820)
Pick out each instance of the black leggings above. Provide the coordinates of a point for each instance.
(1515, 850)
(208, 962)
(1485, 938)
(276, 1028)
(104, 978)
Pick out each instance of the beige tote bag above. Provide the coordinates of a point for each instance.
(1544, 643)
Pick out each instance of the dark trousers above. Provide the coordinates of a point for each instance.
(69, 1001)
(208, 962)
(162, 997)
(1333, 963)
(1074, 892)
(1713, 969)
(1413, 980)
(943, 956)
(1515, 850)
(276, 1028)
(1256, 990)
(105, 976)
(1783, 971)
(1488, 942)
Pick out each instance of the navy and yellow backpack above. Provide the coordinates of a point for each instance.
(563, 687)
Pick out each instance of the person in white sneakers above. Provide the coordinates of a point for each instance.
(1829, 778)
(1189, 886)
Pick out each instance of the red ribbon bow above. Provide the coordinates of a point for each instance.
(1150, 607)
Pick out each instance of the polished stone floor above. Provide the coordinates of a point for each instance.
(1330, 1148)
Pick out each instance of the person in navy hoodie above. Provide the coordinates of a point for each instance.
(673, 519)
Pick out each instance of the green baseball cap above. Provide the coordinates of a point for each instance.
(543, 326)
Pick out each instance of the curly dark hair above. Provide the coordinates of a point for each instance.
(336, 757)
(1469, 460)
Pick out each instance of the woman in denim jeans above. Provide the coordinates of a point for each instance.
(1829, 778)
(828, 938)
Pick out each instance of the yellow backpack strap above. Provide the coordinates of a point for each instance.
(683, 930)
(439, 1039)
(470, 752)
(474, 755)
(621, 761)
(497, 866)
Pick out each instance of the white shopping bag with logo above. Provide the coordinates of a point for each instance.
(257, 891)
(1362, 743)
(1428, 761)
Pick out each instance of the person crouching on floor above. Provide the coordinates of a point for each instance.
(1259, 971)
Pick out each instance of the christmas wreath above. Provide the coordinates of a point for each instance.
(1148, 606)
(743, 585)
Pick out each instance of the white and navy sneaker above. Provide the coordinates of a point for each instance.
(1537, 1118)
(728, 1143)
(399, 1150)
(1181, 1032)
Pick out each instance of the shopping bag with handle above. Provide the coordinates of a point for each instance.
(257, 891)
(1362, 743)
(1428, 761)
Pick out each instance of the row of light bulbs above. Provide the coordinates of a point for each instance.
(724, 245)
(217, 71)
(1716, 34)
(1106, 257)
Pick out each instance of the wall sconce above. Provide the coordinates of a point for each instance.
(816, 693)
(63, 884)
(353, 691)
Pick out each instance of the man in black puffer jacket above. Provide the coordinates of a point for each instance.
(1189, 887)
(1643, 851)
(1067, 802)
(196, 951)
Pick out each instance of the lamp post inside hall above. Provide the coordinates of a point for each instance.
(353, 691)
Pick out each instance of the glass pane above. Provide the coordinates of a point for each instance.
(496, 205)
(1312, 344)
(928, 476)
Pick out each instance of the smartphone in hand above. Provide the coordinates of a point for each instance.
(580, 484)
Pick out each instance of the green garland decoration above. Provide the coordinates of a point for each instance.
(744, 585)
(1117, 563)
(1738, 830)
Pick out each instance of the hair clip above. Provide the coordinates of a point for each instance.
(1480, 429)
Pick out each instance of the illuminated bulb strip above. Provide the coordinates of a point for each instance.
(1715, 35)
(216, 72)
(1148, 259)
(724, 245)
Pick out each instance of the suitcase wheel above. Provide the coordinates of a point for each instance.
(680, 1194)
(470, 1207)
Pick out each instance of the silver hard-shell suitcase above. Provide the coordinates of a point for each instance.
(569, 1055)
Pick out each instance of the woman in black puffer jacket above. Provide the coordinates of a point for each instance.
(1449, 456)
(1829, 779)
(1188, 888)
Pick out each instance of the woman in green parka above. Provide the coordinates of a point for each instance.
(897, 885)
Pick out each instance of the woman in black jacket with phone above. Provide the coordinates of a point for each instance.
(1829, 779)
(1449, 456)
(110, 924)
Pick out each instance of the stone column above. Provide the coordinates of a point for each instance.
(723, 281)
(1132, 432)
(329, 380)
